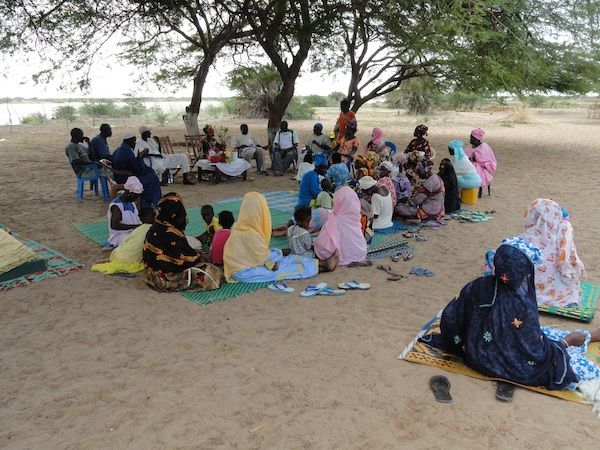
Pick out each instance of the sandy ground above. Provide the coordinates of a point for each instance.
(93, 361)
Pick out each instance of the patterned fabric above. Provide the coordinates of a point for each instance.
(584, 368)
(389, 184)
(495, 324)
(560, 270)
(338, 174)
(531, 251)
(205, 277)
(419, 144)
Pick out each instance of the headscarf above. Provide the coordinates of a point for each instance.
(134, 185)
(144, 129)
(343, 230)
(248, 243)
(377, 137)
(319, 217)
(495, 325)
(166, 248)
(546, 228)
(368, 163)
(458, 147)
(421, 130)
(478, 133)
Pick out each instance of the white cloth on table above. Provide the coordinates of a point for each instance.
(232, 169)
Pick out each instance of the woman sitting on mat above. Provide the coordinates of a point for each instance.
(451, 188)
(427, 200)
(341, 239)
(494, 325)
(385, 179)
(247, 256)
(123, 215)
(170, 263)
(557, 277)
(465, 171)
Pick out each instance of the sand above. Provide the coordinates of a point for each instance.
(93, 361)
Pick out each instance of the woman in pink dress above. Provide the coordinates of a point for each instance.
(483, 158)
(342, 232)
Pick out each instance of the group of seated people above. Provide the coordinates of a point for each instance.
(399, 186)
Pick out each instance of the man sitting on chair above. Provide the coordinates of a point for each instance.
(78, 155)
(248, 148)
(285, 146)
(99, 145)
(150, 150)
(124, 159)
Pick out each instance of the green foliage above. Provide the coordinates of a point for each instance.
(416, 95)
(102, 108)
(158, 115)
(65, 112)
(257, 87)
(461, 100)
(34, 119)
(317, 101)
(133, 106)
(536, 101)
(299, 110)
(227, 108)
(337, 96)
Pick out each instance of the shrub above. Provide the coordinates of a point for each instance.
(34, 119)
(158, 115)
(462, 101)
(298, 110)
(100, 108)
(316, 101)
(65, 112)
(419, 103)
(536, 101)
(336, 97)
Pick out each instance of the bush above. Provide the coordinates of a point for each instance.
(105, 108)
(336, 97)
(419, 103)
(316, 101)
(462, 101)
(133, 106)
(536, 101)
(298, 110)
(158, 115)
(34, 119)
(65, 112)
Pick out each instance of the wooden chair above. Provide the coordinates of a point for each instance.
(194, 147)
(167, 148)
(109, 171)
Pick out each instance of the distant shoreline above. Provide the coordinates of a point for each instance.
(113, 99)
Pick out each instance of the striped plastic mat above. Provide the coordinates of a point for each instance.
(226, 292)
(585, 312)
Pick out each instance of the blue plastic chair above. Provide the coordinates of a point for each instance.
(94, 179)
(392, 147)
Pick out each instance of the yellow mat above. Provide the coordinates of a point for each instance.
(421, 353)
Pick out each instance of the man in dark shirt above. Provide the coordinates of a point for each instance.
(78, 155)
(124, 159)
(99, 145)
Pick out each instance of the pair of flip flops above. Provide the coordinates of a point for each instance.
(404, 256)
(440, 386)
(417, 237)
(321, 289)
(392, 276)
(421, 272)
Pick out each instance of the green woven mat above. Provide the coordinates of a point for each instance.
(585, 311)
(98, 231)
(225, 292)
(385, 241)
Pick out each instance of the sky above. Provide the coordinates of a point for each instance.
(118, 79)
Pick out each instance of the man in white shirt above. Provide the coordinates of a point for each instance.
(285, 148)
(248, 148)
(149, 148)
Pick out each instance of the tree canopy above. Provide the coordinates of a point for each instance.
(470, 45)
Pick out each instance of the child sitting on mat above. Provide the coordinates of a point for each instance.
(325, 198)
(217, 246)
(299, 238)
(212, 225)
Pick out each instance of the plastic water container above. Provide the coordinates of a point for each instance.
(469, 196)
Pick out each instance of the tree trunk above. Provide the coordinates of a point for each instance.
(277, 109)
(192, 112)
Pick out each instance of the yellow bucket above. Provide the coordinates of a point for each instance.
(469, 196)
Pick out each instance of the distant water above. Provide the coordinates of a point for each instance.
(14, 112)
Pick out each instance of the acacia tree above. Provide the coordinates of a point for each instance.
(476, 45)
(285, 29)
(172, 41)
